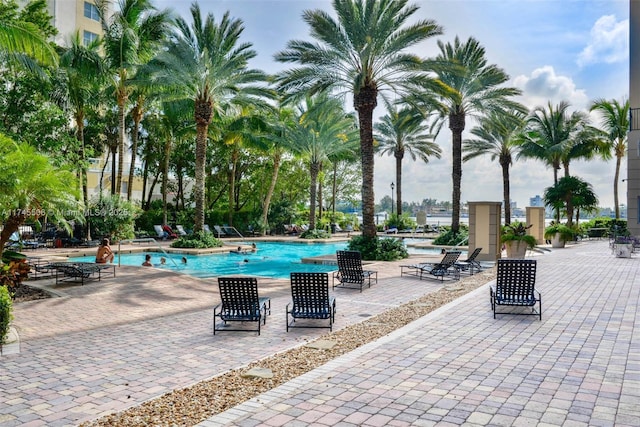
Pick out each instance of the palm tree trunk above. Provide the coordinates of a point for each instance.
(165, 177)
(274, 179)
(399, 185)
(137, 113)
(615, 188)
(198, 189)
(457, 125)
(334, 188)
(364, 103)
(320, 201)
(506, 193)
(11, 225)
(313, 170)
(121, 136)
(232, 185)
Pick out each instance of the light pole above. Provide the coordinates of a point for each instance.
(392, 187)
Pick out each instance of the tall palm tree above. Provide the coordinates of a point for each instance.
(614, 117)
(207, 63)
(498, 135)
(363, 53)
(323, 130)
(402, 132)
(84, 69)
(132, 36)
(569, 193)
(471, 88)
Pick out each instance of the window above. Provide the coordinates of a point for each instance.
(91, 11)
(88, 37)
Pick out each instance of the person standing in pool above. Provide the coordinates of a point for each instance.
(147, 261)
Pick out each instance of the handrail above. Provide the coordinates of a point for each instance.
(466, 239)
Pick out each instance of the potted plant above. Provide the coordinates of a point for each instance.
(623, 246)
(559, 234)
(516, 240)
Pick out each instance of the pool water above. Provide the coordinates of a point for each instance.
(274, 260)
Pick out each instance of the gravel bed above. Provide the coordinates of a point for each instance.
(192, 405)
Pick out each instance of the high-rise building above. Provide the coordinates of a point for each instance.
(70, 16)
(536, 201)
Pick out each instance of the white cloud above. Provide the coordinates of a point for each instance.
(608, 42)
(543, 85)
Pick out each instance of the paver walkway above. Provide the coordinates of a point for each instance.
(579, 366)
(137, 339)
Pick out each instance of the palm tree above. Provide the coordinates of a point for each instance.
(84, 68)
(471, 88)
(207, 63)
(323, 131)
(403, 132)
(23, 41)
(32, 188)
(615, 122)
(570, 193)
(498, 134)
(361, 52)
(132, 36)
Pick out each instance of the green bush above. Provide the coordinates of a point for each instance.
(199, 240)
(112, 217)
(376, 249)
(449, 238)
(401, 222)
(315, 234)
(5, 313)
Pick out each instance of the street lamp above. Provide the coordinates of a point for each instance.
(392, 187)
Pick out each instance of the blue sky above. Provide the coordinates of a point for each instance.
(553, 50)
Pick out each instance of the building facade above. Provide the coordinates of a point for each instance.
(633, 139)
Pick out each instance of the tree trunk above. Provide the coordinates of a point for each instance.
(202, 115)
(165, 176)
(274, 179)
(138, 112)
(314, 169)
(457, 125)
(364, 103)
(232, 185)
(399, 156)
(334, 188)
(11, 225)
(122, 100)
(113, 170)
(615, 188)
(506, 191)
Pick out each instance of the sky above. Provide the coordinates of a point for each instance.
(553, 50)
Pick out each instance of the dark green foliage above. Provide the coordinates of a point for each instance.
(5, 312)
(619, 226)
(315, 234)
(112, 217)
(517, 231)
(375, 249)
(451, 238)
(401, 222)
(199, 240)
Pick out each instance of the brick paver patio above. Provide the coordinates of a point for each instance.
(110, 345)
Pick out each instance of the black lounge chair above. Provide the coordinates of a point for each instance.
(470, 263)
(240, 303)
(79, 271)
(515, 286)
(350, 273)
(311, 300)
(445, 268)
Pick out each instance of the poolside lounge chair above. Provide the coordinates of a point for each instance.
(181, 230)
(206, 228)
(240, 303)
(311, 300)
(445, 268)
(350, 273)
(470, 263)
(79, 271)
(220, 232)
(515, 286)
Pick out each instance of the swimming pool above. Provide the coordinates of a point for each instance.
(273, 259)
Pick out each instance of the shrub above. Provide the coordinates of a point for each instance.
(5, 313)
(112, 217)
(375, 249)
(315, 234)
(199, 240)
(517, 231)
(449, 238)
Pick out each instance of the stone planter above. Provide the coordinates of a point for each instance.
(623, 250)
(516, 249)
(557, 241)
